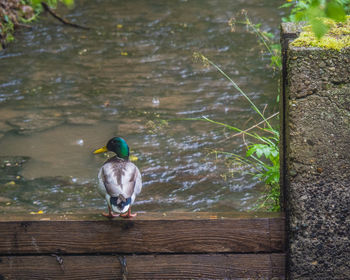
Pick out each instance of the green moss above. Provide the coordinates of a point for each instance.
(337, 37)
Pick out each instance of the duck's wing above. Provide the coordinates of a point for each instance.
(138, 181)
(131, 180)
(121, 178)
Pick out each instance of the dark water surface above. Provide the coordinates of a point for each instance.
(66, 91)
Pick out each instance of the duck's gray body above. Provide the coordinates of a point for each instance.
(119, 183)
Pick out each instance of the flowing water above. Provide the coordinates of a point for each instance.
(65, 91)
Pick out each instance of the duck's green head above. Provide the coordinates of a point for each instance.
(117, 145)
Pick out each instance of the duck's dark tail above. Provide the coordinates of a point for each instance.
(120, 204)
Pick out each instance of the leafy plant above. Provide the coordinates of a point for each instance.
(38, 8)
(7, 29)
(262, 155)
(52, 3)
(315, 11)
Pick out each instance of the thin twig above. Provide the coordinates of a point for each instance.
(254, 126)
(247, 121)
(64, 21)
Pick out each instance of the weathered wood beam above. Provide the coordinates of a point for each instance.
(148, 233)
(202, 266)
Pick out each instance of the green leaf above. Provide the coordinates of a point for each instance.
(68, 3)
(315, 3)
(274, 153)
(36, 2)
(269, 35)
(286, 5)
(315, 12)
(299, 16)
(305, 4)
(335, 11)
(266, 152)
(251, 151)
(259, 152)
(318, 27)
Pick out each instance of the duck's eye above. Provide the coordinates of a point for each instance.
(115, 143)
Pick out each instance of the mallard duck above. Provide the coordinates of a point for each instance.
(119, 179)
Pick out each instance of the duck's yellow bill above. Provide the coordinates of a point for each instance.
(133, 158)
(102, 150)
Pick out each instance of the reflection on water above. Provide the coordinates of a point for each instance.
(65, 92)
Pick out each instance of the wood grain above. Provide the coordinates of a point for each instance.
(84, 216)
(203, 266)
(165, 235)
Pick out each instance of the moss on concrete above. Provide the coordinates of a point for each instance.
(337, 38)
(316, 163)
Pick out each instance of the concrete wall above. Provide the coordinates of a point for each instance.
(315, 158)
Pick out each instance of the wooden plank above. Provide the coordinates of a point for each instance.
(277, 229)
(157, 235)
(143, 216)
(215, 266)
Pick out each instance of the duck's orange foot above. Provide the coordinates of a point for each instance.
(128, 215)
(110, 215)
